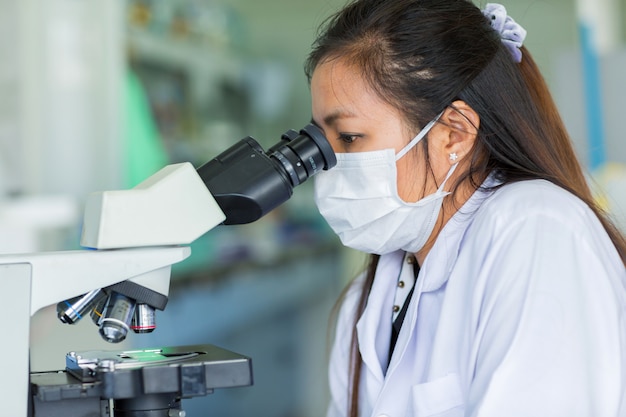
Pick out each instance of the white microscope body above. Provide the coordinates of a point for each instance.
(134, 236)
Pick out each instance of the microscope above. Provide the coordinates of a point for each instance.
(131, 240)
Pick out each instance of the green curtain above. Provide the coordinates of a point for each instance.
(145, 152)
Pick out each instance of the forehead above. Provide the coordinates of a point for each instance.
(340, 90)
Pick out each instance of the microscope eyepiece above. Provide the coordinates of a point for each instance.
(247, 182)
(303, 154)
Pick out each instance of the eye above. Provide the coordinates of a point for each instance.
(348, 138)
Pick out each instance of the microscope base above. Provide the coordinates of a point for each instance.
(139, 383)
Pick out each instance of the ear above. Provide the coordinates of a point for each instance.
(461, 130)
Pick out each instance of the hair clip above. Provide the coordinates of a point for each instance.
(511, 32)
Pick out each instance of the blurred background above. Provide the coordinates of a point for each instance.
(100, 94)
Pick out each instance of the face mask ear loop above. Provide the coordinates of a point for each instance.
(417, 138)
(448, 175)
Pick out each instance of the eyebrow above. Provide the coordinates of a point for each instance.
(331, 118)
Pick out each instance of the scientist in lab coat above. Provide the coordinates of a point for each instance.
(496, 286)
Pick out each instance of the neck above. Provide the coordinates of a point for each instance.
(451, 204)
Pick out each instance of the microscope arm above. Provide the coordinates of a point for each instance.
(57, 276)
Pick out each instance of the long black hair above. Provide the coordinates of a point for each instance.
(420, 56)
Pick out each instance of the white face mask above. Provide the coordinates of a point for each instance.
(359, 200)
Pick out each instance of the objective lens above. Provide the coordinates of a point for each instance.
(116, 321)
(72, 310)
(144, 319)
(98, 310)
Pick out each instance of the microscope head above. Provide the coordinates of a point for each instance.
(172, 207)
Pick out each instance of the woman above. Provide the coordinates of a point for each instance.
(496, 286)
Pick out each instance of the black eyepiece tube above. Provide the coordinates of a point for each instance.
(248, 182)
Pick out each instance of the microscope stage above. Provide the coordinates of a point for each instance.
(170, 373)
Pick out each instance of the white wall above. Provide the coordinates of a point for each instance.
(60, 132)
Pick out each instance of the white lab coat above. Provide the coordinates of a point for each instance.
(519, 310)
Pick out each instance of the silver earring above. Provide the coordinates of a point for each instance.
(453, 156)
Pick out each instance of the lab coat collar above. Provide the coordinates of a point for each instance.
(376, 319)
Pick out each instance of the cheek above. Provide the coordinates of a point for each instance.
(335, 144)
